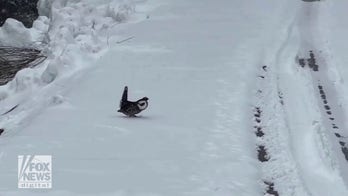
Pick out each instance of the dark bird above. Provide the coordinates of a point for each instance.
(131, 108)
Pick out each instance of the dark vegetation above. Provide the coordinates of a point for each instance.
(21, 10)
(13, 59)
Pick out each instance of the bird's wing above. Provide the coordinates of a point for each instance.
(132, 109)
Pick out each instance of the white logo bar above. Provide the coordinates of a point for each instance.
(35, 171)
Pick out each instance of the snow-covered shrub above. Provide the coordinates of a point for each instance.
(79, 30)
(14, 33)
(120, 12)
(44, 7)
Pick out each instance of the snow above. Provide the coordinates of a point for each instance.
(200, 64)
(14, 33)
(334, 32)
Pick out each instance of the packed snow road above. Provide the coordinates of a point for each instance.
(215, 72)
(313, 114)
(193, 61)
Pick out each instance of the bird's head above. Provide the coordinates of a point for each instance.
(142, 103)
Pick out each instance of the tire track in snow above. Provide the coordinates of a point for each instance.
(331, 112)
(332, 115)
(333, 123)
(279, 171)
(312, 148)
(262, 152)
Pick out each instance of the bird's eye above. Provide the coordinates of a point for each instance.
(142, 104)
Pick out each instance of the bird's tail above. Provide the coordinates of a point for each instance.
(124, 96)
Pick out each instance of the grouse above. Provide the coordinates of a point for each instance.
(131, 108)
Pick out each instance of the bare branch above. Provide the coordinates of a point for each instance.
(13, 59)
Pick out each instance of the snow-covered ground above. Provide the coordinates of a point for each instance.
(215, 72)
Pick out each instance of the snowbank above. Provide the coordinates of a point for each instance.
(78, 32)
(72, 34)
(14, 33)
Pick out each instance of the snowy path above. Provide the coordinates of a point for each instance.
(206, 132)
(299, 127)
(314, 146)
(193, 138)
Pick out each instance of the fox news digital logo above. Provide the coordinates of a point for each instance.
(35, 171)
